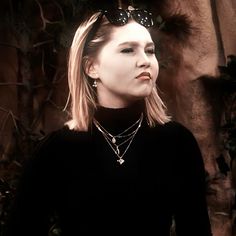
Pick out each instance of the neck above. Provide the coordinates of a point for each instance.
(116, 119)
(116, 103)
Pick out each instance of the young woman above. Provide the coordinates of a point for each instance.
(119, 166)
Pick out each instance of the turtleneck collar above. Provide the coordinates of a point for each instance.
(117, 119)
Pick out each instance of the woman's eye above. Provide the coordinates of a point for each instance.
(127, 50)
(150, 51)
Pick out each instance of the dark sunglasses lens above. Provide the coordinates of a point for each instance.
(117, 17)
(142, 17)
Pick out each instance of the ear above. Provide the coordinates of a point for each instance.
(90, 68)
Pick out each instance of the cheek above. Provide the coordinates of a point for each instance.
(119, 68)
(113, 64)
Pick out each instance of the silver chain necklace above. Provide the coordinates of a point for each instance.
(116, 141)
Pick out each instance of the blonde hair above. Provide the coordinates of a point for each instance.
(82, 95)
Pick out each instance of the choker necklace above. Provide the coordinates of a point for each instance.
(118, 141)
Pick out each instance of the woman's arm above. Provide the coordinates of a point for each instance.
(190, 206)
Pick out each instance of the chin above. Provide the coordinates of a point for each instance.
(146, 92)
(142, 95)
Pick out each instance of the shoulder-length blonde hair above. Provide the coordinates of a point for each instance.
(82, 94)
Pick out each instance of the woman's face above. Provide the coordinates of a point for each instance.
(126, 67)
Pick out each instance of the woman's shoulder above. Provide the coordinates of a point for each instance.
(63, 134)
(56, 148)
(174, 132)
(174, 125)
(173, 128)
(60, 140)
(180, 134)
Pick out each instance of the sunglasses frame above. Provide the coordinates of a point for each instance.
(121, 17)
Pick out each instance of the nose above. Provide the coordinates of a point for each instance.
(143, 60)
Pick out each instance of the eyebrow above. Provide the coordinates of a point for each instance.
(134, 43)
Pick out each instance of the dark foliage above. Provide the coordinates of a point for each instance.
(221, 93)
(228, 81)
(229, 72)
(179, 26)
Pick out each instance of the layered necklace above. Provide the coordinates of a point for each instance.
(121, 142)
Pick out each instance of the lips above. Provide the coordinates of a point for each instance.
(144, 75)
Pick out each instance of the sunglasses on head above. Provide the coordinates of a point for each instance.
(121, 17)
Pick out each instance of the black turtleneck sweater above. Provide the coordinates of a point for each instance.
(76, 176)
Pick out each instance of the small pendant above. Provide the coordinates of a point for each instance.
(117, 151)
(113, 140)
(121, 161)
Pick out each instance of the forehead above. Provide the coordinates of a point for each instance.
(132, 31)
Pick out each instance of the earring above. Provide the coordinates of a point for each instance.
(95, 84)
